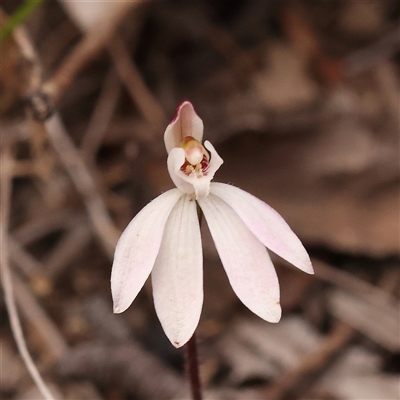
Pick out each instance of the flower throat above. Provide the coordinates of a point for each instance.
(197, 158)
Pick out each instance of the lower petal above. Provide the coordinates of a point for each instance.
(245, 259)
(137, 249)
(266, 224)
(177, 275)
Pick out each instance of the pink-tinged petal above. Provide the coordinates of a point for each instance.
(266, 224)
(185, 123)
(199, 186)
(246, 261)
(177, 275)
(137, 249)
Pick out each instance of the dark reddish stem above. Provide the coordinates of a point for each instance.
(192, 368)
(191, 359)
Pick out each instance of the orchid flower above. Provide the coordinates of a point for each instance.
(164, 238)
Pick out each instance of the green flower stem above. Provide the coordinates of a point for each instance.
(23, 12)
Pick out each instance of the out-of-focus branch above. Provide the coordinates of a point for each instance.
(101, 116)
(351, 283)
(332, 343)
(34, 313)
(5, 183)
(382, 49)
(84, 182)
(93, 42)
(133, 81)
(116, 358)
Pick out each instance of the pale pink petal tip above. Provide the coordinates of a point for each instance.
(117, 310)
(185, 103)
(185, 123)
(265, 224)
(275, 313)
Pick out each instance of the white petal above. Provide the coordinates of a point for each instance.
(192, 184)
(215, 162)
(185, 123)
(246, 261)
(137, 249)
(176, 159)
(177, 275)
(266, 224)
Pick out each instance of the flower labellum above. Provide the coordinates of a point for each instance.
(164, 239)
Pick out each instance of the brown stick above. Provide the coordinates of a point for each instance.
(350, 282)
(133, 81)
(84, 182)
(88, 49)
(285, 386)
(5, 182)
(34, 313)
(101, 116)
(119, 360)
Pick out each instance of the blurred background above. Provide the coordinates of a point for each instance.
(301, 100)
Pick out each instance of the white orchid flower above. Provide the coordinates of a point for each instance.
(164, 238)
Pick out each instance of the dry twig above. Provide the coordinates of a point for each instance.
(133, 81)
(284, 387)
(84, 182)
(55, 344)
(377, 321)
(74, 241)
(101, 117)
(120, 360)
(384, 48)
(92, 44)
(42, 226)
(6, 174)
(351, 283)
(25, 261)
